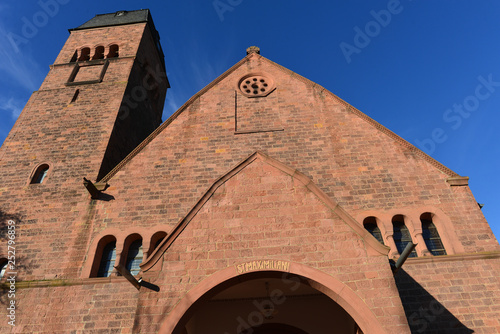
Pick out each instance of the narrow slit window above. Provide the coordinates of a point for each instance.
(40, 174)
(134, 257)
(431, 236)
(75, 96)
(401, 235)
(370, 224)
(107, 260)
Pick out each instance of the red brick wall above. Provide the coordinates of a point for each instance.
(90, 308)
(55, 218)
(461, 294)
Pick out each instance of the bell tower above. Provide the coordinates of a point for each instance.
(103, 95)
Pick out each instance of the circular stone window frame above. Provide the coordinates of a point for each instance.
(271, 85)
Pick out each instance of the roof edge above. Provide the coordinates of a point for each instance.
(106, 25)
(146, 18)
(371, 121)
(407, 145)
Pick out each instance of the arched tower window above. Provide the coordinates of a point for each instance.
(401, 235)
(107, 260)
(85, 55)
(370, 224)
(113, 51)
(134, 257)
(99, 52)
(40, 174)
(431, 235)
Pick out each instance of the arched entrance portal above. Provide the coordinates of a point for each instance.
(262, 299)
(303, 299)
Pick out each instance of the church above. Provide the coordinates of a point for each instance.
(264, 205)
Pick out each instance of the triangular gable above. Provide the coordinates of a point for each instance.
(372, 245)
(405, 144)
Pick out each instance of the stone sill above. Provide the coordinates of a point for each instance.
(64, 282)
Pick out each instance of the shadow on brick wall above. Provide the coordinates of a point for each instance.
(424, 313)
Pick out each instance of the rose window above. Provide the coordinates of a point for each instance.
(256, 85)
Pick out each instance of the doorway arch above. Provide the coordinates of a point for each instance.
(322, 282)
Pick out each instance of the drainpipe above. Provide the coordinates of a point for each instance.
(407, 251)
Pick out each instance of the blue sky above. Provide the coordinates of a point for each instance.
(427, 70)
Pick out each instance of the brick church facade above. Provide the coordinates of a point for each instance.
(265, 204)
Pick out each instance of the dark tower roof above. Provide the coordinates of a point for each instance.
(123, 17)
(114, 19)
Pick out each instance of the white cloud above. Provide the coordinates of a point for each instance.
(171, 106)
(202, 71)
(12, 106)
(15, 65)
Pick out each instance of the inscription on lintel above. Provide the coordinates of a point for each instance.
(263, 265)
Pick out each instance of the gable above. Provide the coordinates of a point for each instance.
(264, 208)
(290, 85)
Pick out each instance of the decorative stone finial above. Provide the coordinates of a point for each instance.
(253, 49)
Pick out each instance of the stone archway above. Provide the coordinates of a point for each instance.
(217, 286)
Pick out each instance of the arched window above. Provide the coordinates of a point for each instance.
(134, 257)
(431, 235)
(40, 174)
(99, 52)
(107, 260)
(156, 239)
(113, 51)
(3, 267)
(370, 224)
(85, 55)
(401, 235)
